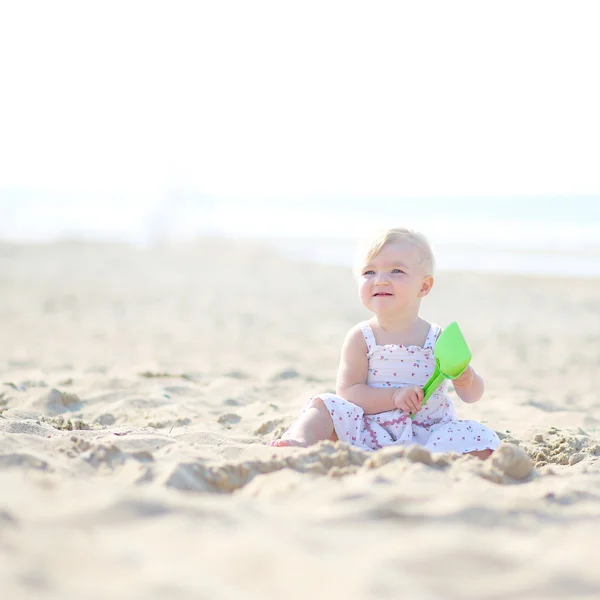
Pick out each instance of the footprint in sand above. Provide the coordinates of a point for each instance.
(110, 456)
(57, 402)
(106, 419)
(229, 419)
(286, 374)
(269, 426)
(236, 374)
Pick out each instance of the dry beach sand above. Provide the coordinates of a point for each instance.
(138, 387)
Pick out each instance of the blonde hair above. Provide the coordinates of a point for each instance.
(370, 248)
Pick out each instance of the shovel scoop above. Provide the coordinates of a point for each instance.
(452, 357)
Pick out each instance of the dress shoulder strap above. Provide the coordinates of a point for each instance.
(432, 336)
(368, 335)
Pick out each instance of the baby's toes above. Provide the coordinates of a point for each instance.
(286, 443)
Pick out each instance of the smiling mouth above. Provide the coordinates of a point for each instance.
(382, 294)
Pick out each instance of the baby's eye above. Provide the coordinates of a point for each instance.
(369, 272)
(397, 271)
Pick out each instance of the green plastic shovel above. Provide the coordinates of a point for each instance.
(452, 357)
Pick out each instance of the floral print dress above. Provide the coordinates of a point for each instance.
(436, 426)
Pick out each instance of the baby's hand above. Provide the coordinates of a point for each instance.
(408, 399)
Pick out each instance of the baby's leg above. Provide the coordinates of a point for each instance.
(482, 454)
(313, 425)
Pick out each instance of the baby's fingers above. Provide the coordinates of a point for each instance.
(413, 402)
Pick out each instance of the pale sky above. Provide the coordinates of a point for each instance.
(290, 99)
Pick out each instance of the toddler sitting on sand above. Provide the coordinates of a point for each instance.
(386, 361)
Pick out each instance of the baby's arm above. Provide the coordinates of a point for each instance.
(469, 386)
(352, 374)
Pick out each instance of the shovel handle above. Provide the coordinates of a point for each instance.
(432, 384)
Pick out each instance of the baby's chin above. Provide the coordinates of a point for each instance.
(382, 307)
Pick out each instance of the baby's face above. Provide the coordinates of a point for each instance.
(394, 280)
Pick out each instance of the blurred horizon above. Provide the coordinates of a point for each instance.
(139, 121)
(543, 236)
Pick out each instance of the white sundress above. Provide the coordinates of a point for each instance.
(436, 426)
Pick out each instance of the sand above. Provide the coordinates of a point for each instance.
(138, 388)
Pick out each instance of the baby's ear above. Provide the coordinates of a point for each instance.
(426, 285)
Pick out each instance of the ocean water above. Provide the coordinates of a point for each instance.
(558, 236)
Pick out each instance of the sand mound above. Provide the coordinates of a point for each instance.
(556, 447)
(338, 460)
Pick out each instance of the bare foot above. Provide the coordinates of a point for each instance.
(281, 442)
